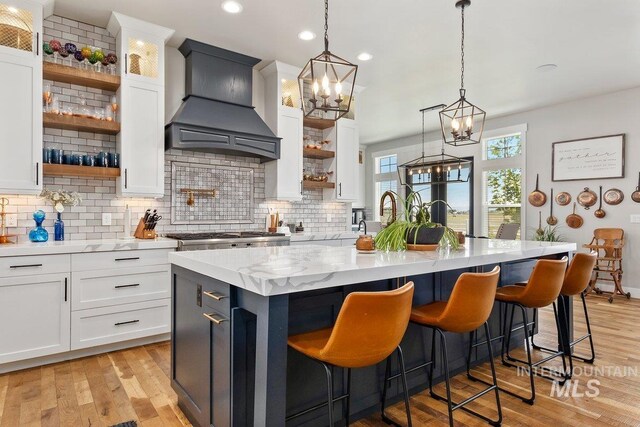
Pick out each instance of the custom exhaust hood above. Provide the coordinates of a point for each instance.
(216, 115)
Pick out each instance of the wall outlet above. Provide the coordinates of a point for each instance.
(12, 220)
(328, 217)
(106, 218)
(635, 219)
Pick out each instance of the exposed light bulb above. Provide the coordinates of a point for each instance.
(420, 171)
(325, 82)
(448, 168)
(469, 122)
(338, 88)
(315, 87)
(410, 171)
(429, 170)
(455, 124)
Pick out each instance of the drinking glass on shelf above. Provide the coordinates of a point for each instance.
(47, 96)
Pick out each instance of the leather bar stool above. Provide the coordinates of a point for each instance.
(468, 309)
(576, 281)
(541, 290)
(368, 329)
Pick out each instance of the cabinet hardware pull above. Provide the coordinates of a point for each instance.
(66, 288)
(38, 44)
(340, 190)
(301, 188)
(133, 285)
(126, 323)
(133, 258)
(37, 173)
(217, 320)
(216, 296)
(126, 181)
(26, 266)
(126, 71)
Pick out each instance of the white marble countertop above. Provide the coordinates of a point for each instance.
(289, 269)
(310, 236)
(76, 246)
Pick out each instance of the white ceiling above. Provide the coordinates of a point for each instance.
(415, 44)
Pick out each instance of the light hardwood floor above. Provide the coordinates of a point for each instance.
(134, 384)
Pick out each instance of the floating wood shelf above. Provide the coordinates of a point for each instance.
(81, 124)
(313, 153)
(81, 171)
(316, 123)
(76, 76)
(314, 185)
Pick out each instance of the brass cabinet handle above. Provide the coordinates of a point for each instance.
(215, 295)
(215, 318)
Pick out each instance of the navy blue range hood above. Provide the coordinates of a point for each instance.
(216, 115)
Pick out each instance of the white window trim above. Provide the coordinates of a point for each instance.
(380, 177)
(517, 162)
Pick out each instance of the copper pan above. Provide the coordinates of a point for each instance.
(537, 198)
(573, 219)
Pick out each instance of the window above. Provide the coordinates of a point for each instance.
(386, 179)
(502, 177)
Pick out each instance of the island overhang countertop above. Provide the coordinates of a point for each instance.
(280, 270)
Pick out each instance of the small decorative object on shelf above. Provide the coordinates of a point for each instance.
(5, 238)
(55, 46)
(39, 234)
(46, 48)
(147, 225)
(59, 199)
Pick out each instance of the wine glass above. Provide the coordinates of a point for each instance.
(56, 46)
(79, 57)
(47, 96)
(71, 49)
(64, 53)
(114, 106)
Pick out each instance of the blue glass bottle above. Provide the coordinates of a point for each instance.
(58, 227)
(39, 234)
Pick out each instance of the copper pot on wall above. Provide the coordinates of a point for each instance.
(537, 198)
(587, 198)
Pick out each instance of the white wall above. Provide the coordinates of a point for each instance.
(609, 114)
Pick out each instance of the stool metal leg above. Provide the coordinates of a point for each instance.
(405, 389)
(327, 368)
(348, 403)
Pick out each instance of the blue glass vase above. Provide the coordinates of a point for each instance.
(58, 227)
(39, 234)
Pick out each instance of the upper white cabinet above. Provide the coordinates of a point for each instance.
(140, 47)
(360, 201)
(283, 177)
(346, 142)
(21, 95)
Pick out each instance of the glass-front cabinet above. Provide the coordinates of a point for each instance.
(17, 28)
(142, 58)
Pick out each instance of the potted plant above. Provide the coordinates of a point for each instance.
(548, 234)
(413, 226)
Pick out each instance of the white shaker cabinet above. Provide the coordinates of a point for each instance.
(21, 95)
(140, 47)
(283, 177)
(35, 316)
(345, 166)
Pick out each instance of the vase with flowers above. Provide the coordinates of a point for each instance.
(60, 199)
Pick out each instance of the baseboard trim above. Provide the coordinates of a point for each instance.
(76, 354)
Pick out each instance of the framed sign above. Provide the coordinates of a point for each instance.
(601, 157)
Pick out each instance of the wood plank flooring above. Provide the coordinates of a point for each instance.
(134, 384)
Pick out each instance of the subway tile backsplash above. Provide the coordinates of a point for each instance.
(99, 195)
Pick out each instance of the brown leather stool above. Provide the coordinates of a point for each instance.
(368, 330)
(468, 308)
(576, 281)
(542, 290)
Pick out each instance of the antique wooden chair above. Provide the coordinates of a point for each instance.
(608, 243)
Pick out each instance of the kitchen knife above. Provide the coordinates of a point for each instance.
(146, 215)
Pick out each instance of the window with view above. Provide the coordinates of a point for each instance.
(503, 165)
(386, 178)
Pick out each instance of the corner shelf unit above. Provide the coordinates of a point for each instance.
(314, 185)
(80, 171)
(312, 153)
(81, 124)
(65, 74)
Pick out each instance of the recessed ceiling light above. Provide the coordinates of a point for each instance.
(12, 9)
(364, 56)
(306, 35)
(546, 68)
(231, 6)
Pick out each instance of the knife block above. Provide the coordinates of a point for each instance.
(141, 233)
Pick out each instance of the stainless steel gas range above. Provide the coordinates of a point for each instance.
(228, 240)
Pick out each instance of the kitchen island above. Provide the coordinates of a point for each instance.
(233, 311)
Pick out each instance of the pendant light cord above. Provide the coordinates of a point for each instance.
(461, 52)
(326, 25)
(423, 134)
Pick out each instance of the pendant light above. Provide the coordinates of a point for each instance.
(327, 81)
(462, 122)
(434, 169)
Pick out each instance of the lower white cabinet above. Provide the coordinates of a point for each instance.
(108, 325)
(34, 316)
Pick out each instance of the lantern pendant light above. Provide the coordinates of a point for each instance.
(327, 82)
(462, 122)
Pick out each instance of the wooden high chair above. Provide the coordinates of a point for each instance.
(608, 243)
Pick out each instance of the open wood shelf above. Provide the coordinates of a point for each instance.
(81, 124)
(316, 123)
(76, 76)
(81, 171)
(313, 153)
(314, 185)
